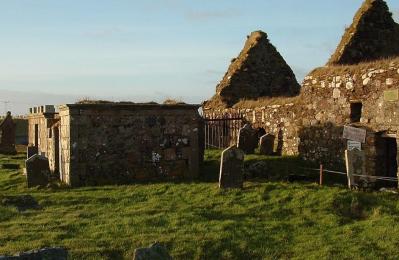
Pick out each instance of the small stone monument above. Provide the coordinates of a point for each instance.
(37, 171)
(231, 168)
(248, 139)
(7, 135)
(31, 150)
(155, 251)
(48, 253)
(266, 144)
(355, 165)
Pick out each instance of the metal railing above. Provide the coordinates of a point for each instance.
(222, 132)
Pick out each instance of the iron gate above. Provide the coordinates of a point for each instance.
(222, 132)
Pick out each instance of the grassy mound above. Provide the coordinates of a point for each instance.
(265, 220)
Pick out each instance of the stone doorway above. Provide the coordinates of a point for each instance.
(387, 159)
(391, 162)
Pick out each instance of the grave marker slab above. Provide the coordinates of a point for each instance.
(37, 171)
(7, 135)
(231, 168)
(355, 165)
(30, 151)
(248, 139)
(266, 144)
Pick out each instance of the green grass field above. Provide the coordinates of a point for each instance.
(265, 220)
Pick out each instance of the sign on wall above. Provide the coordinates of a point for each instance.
(355, 134)
(391, 95)
(354, 145)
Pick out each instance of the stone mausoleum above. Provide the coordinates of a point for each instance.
(117, 143)
(357, 89)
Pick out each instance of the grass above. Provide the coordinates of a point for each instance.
(265, 220)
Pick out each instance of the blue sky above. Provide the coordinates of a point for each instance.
(56, 51)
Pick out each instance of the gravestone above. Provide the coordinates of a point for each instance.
(155, 251)
(31, 150)
(266, 144)
(7, 135)
(37, 171)
(355, 165)
(248, 139)
(231, 168)
(48, 253)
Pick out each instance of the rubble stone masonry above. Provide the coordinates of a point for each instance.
(116, 143)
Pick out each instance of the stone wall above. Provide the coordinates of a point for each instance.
(116, 143)
(43, 122)
(311, 125)
(258, 71)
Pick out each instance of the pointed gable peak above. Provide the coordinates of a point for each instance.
(373, 35)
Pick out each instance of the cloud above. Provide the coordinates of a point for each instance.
(207, 15)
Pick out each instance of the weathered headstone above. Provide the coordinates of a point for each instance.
(49, 253)
(31, 150)
(37, 171)
(248, 139)
(266, 144)
(154, 252)
(231, 168)
(7, 135)
(355, 165)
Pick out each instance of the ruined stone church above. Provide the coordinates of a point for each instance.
(357, 90)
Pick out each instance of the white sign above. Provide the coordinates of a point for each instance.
(355, 134)
(354, 145)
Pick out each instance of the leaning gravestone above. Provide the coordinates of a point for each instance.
(37, 171)
(355, 165)
(231, 168)
(247, 139)
(266, 144)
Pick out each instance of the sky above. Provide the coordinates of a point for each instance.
(60, 51)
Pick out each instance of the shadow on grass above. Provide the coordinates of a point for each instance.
(355, 206)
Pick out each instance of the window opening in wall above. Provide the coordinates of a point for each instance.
(356, 112)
